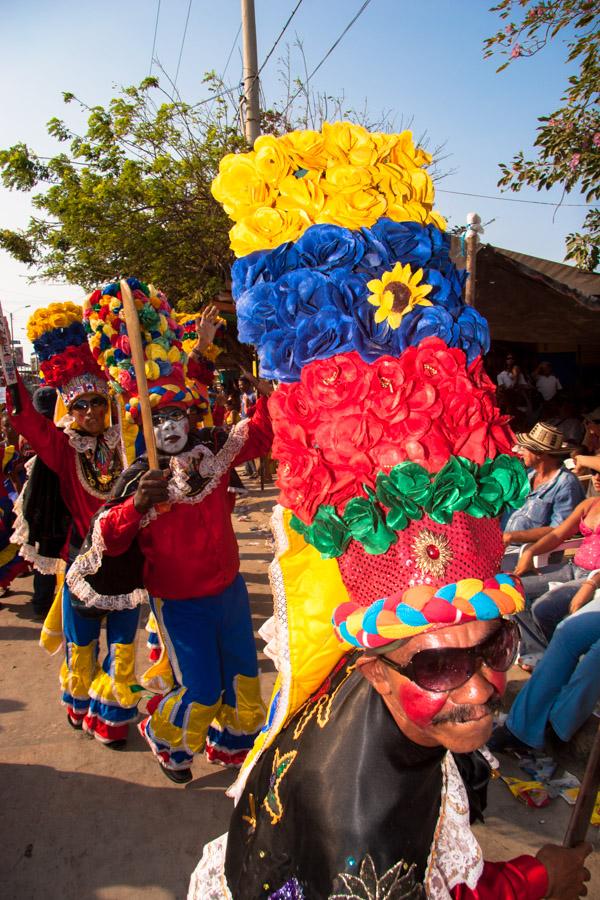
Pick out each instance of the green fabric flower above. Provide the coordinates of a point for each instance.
(148, 317)
(327, 532)
(511, 475)
(365, 521)
(453, 488)
(404, 491)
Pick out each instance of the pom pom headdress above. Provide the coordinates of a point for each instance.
(59, 340)
(393, 457)
(165, 358)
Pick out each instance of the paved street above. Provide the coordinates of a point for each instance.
(82, 822)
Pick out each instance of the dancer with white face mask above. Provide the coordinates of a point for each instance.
(168, 533)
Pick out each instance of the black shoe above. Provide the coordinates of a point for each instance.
(76, 725)
(504, 741)
(115, 745)
(179, 776)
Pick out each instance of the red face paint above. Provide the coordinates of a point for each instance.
(420, 706)
(498, 679)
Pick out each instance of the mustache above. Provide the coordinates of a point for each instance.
(466, 713)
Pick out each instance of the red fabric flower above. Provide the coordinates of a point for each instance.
(337, 382)
(304, 481)
(292, 403)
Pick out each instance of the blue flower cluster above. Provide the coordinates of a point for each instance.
(309, 299)
(58, 339)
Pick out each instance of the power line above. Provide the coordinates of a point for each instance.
(280, 35)
(328, 54)
(187, 19)
(154, 40)
(512, 199)
(231, 52)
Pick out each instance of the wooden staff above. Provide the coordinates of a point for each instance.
(584, 805)
(137, 356)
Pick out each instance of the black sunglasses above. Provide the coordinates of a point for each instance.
(84, 405)
(447, 668)
(175, 415)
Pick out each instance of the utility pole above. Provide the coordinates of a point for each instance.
(251, 85)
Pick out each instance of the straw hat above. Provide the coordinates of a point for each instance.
(544, 438)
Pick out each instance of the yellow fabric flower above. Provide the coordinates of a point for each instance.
(267, 228)
(306, 149)
(239, 187)
(397, 293)
(350, 143)
(152, 370)
(270, 159)
(357, 210)
(346, 179)
(301, 193)
(155, 351)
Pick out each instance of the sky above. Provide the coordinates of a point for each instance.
(420, 61)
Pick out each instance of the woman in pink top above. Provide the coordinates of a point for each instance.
(551, 606)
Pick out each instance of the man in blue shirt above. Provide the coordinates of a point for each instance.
(554, 491)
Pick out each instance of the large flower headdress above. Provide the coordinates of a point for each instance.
(165, 359)
(59, 341)
(393, 457)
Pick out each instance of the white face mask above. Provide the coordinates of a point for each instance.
(171, 435)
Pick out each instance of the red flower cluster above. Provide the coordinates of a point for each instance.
(73, 361)
(347, 420)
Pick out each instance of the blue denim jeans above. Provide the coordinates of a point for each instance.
(564, 689)
(547, 607)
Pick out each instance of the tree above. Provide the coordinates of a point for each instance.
(132, 195)
(568, 139)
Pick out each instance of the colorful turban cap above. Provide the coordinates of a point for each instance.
(59, 341)
(165, 359)
(393, 457)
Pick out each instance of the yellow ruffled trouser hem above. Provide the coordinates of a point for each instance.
(115, 688)
(248, 716)
(191, 736)
(79, 670)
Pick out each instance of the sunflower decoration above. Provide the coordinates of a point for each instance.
(397, 292)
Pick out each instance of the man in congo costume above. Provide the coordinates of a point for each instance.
(391, 631)
(169, 531)
(85, 455)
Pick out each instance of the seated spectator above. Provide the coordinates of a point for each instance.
(546, 382)
(549, 605)
(564, 415)
(564, 689)
(591, 440)
(554, 491)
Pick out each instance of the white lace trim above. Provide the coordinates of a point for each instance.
(209, 465)
(88, 563)
(46, 565)
(455, 856)
(84, 442)
(282, 648)
(208, 878)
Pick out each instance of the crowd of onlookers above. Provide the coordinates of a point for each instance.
(553, 543)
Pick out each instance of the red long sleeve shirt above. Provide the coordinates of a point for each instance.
(522, 878)
(190, 550)
(53, 447)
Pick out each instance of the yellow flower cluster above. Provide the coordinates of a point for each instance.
(56, 315)
(188, 323)
(342, 175)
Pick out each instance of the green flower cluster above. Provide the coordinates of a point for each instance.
(409, 491)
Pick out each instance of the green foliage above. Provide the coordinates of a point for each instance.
(130, 197)
(568, 139)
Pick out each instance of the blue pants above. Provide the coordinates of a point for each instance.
(563, 690)
(100, 697)
(215, 703)
(547, 607)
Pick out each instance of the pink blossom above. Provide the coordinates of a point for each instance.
(596, 139)
(516, 51)
(575, 160)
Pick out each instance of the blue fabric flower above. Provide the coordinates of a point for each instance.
(299, 294)
(276, 355)
(256, 313)
(323, 335)
(410, 242)
(259, 267)
(474, 333)
(328, 247)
